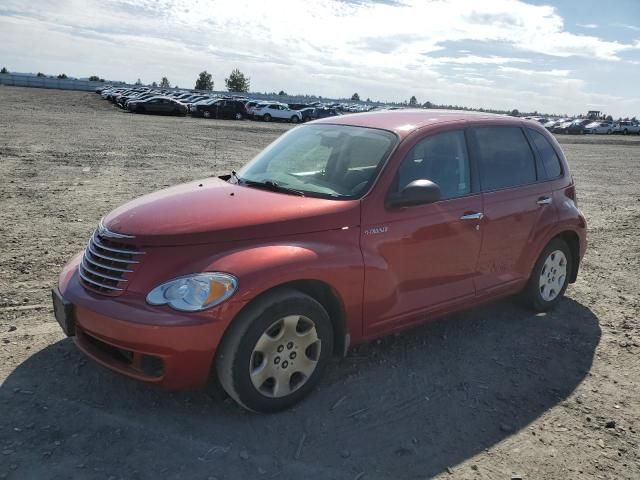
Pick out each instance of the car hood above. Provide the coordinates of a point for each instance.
(213, 210)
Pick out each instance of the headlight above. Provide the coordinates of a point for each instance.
(196, 292)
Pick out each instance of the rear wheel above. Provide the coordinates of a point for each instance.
(238, 116)
(266, 117)
(550, 276)
(295, 119)
(274, 353)
(625, 131)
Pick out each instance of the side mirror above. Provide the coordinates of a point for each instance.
(418, 192)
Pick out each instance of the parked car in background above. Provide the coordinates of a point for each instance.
(326, 112)
(258, 279)
(140, 97)
(299, 106)
(308, 113)
(577, 127)
(605, 128)
(626, 127)
(550, 124)
(160, 105)
(193, 99)
(253, 106)
(561, 127)
(122, 100)
(276, 111)
(108, 94)
(220, 108)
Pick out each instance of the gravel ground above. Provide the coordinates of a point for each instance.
(493, 393)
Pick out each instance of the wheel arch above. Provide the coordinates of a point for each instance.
(320, 291)
(572, 240)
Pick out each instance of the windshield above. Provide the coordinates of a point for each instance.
(332, 161)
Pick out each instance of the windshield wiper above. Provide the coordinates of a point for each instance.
(270, 185)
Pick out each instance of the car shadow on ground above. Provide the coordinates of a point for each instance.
(409, 406)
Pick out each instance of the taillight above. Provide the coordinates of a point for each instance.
(570, 192)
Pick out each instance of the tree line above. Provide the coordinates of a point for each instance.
(235, 82)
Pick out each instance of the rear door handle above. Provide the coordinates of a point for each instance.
(544, 201)
(472, 216)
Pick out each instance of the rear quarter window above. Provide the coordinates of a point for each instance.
(547, 154)
(506, 159)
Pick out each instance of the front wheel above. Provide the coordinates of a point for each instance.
(238, 116)
(295, 119)
(267, 117)
(550, 276)
(274, 353)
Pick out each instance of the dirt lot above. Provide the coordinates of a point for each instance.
(491, 394)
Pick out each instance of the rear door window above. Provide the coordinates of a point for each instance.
(547, 154)
(506, 159)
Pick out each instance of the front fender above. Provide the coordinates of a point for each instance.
(333, 258)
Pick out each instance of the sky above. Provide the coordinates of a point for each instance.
(563, 56)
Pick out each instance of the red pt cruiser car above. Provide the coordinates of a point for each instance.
(341, 231)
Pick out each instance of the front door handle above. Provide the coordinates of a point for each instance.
(472, 216)
(544, 201)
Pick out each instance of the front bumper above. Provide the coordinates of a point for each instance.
(150, 344)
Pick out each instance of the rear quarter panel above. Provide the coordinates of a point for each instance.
(569, 216)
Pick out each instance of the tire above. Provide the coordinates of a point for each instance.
(295, 119)
(276, 317)
(625, 132)
(266, 117)
(238, 116)
(608, 132)
(549, 280)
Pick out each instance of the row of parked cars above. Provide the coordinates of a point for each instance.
(164, 101)
(582, 126)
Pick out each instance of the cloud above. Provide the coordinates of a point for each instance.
(476, 60)
(390, 49)
(588, 25)
(543, 73)
(635, 28)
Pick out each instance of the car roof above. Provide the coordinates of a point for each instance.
(403, 122)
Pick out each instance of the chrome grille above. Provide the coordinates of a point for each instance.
(107, 263)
